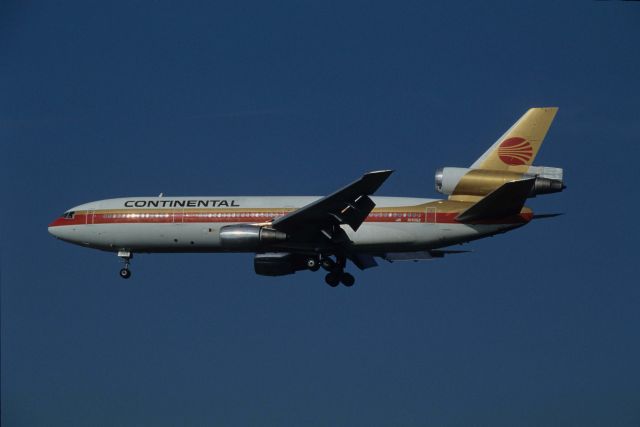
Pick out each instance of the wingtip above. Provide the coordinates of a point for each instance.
(548, 215)
(374, 179)
(555, 109)
(381, 172)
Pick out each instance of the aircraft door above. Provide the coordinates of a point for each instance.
(178, 216)
(430, 215)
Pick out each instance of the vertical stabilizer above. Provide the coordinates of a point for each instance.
(517, 148)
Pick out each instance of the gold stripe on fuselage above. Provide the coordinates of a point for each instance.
(444, 206)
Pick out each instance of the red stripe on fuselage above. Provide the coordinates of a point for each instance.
(141, 217)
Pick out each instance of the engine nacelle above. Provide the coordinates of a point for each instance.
(249, 237)
(480, 182)
(277, 263)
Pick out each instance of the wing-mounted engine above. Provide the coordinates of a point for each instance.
(480, 182)
(278, 263)
(248, 237)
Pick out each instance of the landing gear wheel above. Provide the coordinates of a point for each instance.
(312, 264)
(126, 257)
(347, 279)
(125, 273)
(332, 279)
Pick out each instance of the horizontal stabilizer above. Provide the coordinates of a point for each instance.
(506, 200)
(544, 216)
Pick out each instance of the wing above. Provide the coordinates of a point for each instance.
(349, 205)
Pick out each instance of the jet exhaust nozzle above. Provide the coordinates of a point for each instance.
(249, 237)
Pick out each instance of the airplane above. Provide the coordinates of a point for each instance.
(290, 234)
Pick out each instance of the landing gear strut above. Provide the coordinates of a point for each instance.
(328, 264)
(126, 256)
(336, 271)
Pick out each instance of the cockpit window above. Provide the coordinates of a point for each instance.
(68, 215)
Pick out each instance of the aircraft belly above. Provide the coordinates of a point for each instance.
(398, 237)
(205, 237)
(410, 236)
(172, 237)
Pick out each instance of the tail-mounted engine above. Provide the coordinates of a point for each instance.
(480, 182)
(249, 237)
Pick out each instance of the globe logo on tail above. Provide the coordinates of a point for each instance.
(515, 151)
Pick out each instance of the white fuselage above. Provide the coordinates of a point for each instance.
(192, 224)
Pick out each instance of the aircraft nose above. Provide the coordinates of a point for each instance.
(68, 233)
(56, 229)
(53, 230)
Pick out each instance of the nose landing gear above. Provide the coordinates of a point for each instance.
(126, 256)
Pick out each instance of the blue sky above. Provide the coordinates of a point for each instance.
(536, 327)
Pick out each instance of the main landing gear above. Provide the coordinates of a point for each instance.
(335, 278)
(126, 256)
(336, 273)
